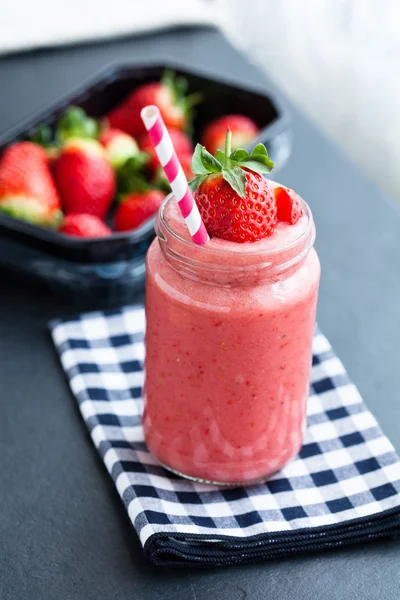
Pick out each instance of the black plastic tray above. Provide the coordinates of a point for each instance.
(66, 262)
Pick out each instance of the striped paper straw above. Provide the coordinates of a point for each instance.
(162, 143)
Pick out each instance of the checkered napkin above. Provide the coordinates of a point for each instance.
(342, 489)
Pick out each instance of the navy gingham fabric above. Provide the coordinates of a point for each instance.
(342, 489)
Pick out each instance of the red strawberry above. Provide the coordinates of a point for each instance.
(27, 189)
(119, 146)
(243, 129)
(84, 177)
(288, 204)
(182, 144)
(136, 209)
(84, 226)
(168, 95)
(235, 201)
(226, 215)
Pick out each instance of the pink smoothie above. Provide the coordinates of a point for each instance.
(228, 350)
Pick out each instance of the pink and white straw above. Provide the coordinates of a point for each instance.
(162, 143)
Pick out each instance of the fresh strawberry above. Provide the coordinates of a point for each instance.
(27, 189)
(73, 123)
(160, 179)
(243, 129)
(288, 204)
(234, 200)
(119, 146)
(136, 208)
(84, 226)
(84, 178)
(169, 95)
(180, 141)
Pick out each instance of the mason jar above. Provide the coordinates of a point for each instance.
(229, 330)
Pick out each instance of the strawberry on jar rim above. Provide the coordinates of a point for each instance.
(85, 178)
(27, 189)
(243, 130)
(288, 205)
(234, 199)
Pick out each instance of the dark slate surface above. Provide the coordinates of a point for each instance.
(63, 532)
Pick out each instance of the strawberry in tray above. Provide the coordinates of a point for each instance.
(84, 226)
(243, 130)
(120, 146)
(27, 189)
(235, 201)
(169, 95)
(138, 198)
(81, 165)
(73, 123)
(84, 177)
(136, 208)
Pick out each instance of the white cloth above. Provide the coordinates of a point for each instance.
(28, 24)
(343, 488)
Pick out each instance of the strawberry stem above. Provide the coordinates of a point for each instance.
(228, 147)
(194, 99)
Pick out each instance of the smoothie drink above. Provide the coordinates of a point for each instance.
(228, 349)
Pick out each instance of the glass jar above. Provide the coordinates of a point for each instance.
(228, 349)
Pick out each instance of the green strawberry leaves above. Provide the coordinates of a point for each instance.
(260, 149)
(237, 180)
(196, 181)
(220, 156)
(177, 85)
(179, 88)
(43, 136)
(258, 160)
(230, 164)
(204, 163)
(75, 123)
(238, 155)
(197, 165)
(131, 177)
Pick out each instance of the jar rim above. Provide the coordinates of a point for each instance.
(283, 248)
